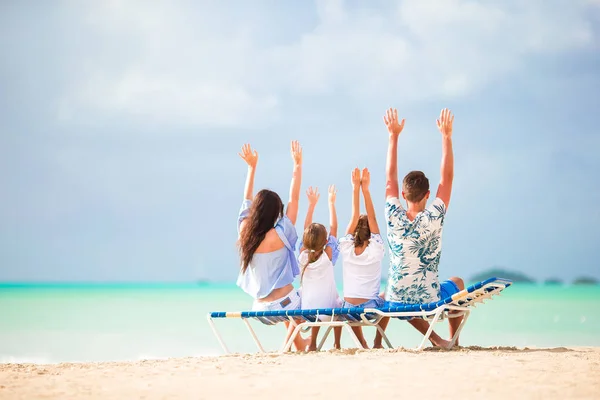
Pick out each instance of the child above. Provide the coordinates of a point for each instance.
(362, 252)
(318, 254)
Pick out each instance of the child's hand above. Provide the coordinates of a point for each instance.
(296, 152)
(365, 179)
(332, 194)
(251, 157)
(313, 195)
(355, 177)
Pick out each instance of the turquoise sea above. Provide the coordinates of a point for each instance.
(68, 323)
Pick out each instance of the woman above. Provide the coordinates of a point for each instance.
(267, 241)
(362, 252)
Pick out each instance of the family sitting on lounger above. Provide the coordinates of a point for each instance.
(268, 238)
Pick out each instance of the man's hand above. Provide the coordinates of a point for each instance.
(355, 178)
(332, 194)
(365, 179)
(391, 121)
(313, 196)
(445, 122)
(251, 157)
(296, 152)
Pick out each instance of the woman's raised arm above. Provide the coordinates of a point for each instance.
(292, 207)
(251, 158)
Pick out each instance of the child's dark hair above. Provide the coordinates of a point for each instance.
(362, 233)
(313, 240)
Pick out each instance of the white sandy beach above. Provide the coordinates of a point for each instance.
(572, 373)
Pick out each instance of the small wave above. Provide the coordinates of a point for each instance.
(6, 359)
(206, 353)
(12, 359)
(143, 357)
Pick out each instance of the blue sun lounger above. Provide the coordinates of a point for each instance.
(460, 304)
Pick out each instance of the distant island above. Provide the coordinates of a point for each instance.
(522, 278)
(553, 281)
(585, 280)
(502, 273)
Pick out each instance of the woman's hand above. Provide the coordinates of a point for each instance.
(313, 196)
(251, 157)
(296, 152)
(292, 207)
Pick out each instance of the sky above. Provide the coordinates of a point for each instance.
(121, 121)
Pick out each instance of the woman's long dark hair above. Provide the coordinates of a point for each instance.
(265, 210)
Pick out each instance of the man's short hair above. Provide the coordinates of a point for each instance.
(415, 186)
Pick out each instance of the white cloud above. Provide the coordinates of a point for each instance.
(162, 62)
(167, 98)
(428, 49)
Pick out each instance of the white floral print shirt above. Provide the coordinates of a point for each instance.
(415, 250)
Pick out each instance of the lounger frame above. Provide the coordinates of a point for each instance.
(460, 304)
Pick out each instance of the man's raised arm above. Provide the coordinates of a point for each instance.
(444, 124)
(391, 169)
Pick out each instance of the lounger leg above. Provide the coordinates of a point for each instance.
(288, 345)
(353, 336)
(322, 342)
(214, 329)
(431, 324)
(462, 324)
(254, 336)
(384, 337)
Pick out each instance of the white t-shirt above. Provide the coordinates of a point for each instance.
(318, 283)
(415, 250)
(362, 273)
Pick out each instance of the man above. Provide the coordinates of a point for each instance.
(415, 233)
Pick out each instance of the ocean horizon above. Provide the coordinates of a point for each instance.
(198, 284)
(54, 322)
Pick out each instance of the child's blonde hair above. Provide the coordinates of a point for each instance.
(314, 240)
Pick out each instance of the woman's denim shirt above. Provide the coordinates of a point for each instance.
(273, 270)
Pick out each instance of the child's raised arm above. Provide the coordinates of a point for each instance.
(313, 198)
(333, 223)
(292, 207)
(355, 202)
(365, 180)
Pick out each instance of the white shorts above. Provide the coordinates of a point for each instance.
(327, 318)
(290, 301)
